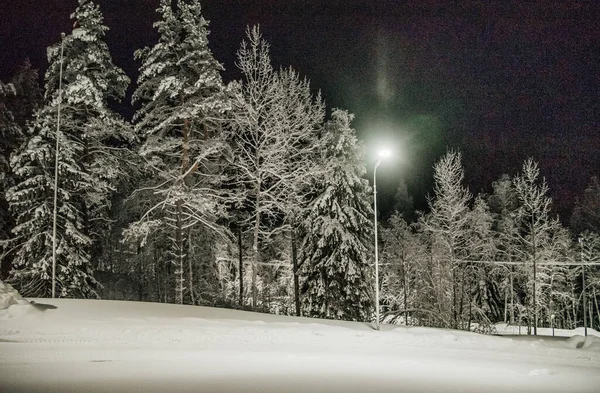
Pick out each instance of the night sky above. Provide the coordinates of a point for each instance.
(502, 81)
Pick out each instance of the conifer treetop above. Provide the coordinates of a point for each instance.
(87, 60)
(179, 77)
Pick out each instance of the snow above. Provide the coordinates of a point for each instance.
(110, 346)
(10, 296)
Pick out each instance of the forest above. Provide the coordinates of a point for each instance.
(252, 194)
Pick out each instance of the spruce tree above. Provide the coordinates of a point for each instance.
(10, 134)
(18, 100)
(586, 214)
(183, 100)
(336, 234)
(89, 137)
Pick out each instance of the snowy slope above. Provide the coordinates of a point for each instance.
(109, 346)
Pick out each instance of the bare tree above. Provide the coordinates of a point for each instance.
(274, 125)
(536, 229)
(447, 225)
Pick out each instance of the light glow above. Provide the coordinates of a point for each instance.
(384, 153)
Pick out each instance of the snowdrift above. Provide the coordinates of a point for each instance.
(12, 303)
(100, 346)
(10, 296)
(591, 342)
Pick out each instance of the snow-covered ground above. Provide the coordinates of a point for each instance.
(109, 346)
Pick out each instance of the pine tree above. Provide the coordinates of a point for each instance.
(89, 137)
(337, 231)
(183, 101)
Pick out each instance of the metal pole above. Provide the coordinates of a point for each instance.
(376, 248)
(62, 50)
(583, 287)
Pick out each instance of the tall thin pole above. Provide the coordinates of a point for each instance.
(535, 309)
(241, 266)
(583, 287)
(62, 50)
(376, 248)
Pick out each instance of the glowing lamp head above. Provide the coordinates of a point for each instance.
(384, 153)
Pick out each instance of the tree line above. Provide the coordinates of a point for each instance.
(203, 198)
(247, 195)
(471, 262)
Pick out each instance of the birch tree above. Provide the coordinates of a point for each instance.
(447, 225)
(536, 228)
(403, 253)
(273, 126)
(504, 206)
(479, 294)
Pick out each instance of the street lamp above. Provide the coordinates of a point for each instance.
(381, 155)
(583, 288)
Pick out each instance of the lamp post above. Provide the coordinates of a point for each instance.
(62, 50)
(382, 154)
(583, 288)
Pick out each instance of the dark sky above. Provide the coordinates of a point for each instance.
(502, 81)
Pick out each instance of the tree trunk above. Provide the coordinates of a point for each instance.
(462, 297)
(405, 291)
(505, 304)
(295, 270)
(454, 310)
(470, 315)
(597, 308)
(254, 264)
(512, 296)
(185, 153)
(167, 287)
(141, 273)
(241, 267)
(190, 267)
(157, 266)
(180, 236)
(180, 256)
(573, 308)
(591, 315)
